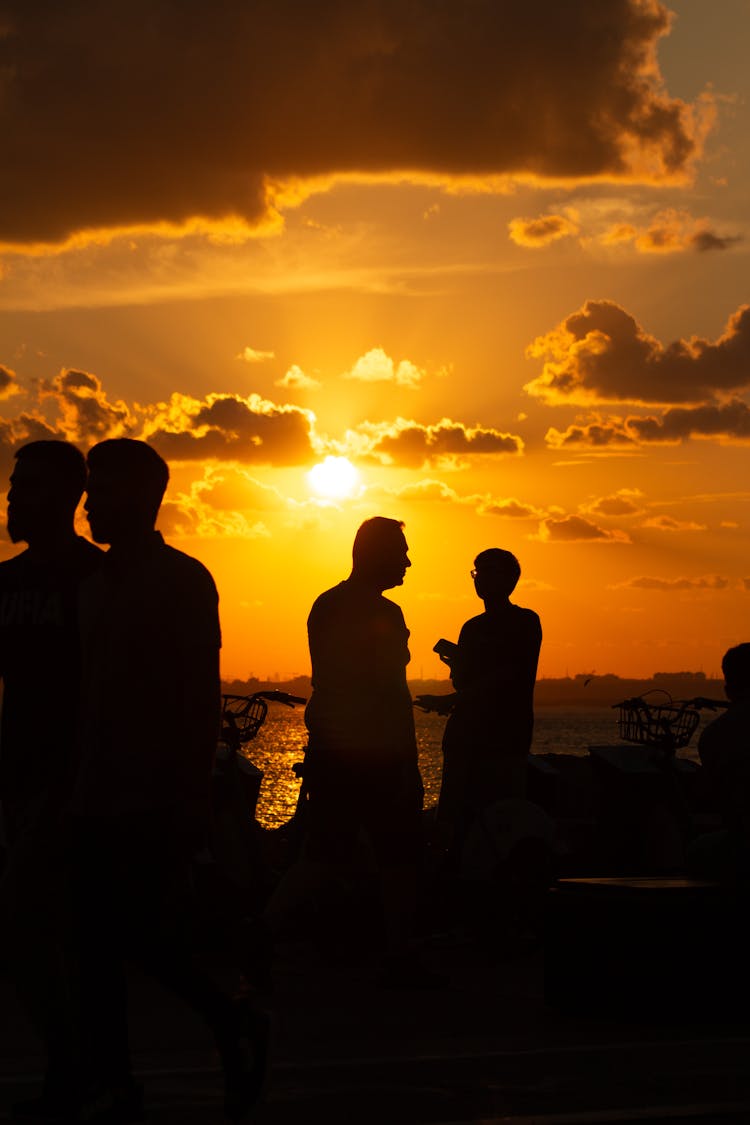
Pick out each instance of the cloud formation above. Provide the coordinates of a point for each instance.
(252, 355)
(228, 427)
(598, 434)
(295, 379)
(8, 382)
(377, 367)
(541, 231)
(670, 231)
(624, 502)
(577, 529)
(728, 422)
(508, 508)
(669, 523)
(678, 585)
(601, 354)
(166, 113)
(232, 428)
(225, 501)
(445, 444)
(431, 491)
(436, 491)
(86, 414)
(72, 406)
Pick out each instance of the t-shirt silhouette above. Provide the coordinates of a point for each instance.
(40, 667)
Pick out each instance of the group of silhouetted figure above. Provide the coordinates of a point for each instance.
(110, 723)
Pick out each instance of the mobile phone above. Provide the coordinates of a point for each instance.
(446, 650)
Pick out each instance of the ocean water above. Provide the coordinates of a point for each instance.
(281, 742)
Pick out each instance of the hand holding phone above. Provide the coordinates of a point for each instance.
(446, 650)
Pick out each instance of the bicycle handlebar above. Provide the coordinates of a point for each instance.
(699, 703)
(243, 715)
(273, 695)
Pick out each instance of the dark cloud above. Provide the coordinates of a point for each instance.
(669, 523)
(509, 509)
(676, 230)
(621, 504)
(412, 444)
(677, 585)
(729, 422)
(576, 529)
(672, 231)
(595, 435)
(541, 231)
(151, 111)
(231, 428)
(86, 413)
(8, 383)
(73, 407)
(602, 354)
(705, 240)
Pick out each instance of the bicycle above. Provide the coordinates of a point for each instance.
(648, 798)
(230, 876)
(666, 726)
(236, 836)
(242, 717)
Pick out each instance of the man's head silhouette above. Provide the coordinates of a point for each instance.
(127, 481)
(496, 573)
(736, 668)
(380, 554)
(46, 485)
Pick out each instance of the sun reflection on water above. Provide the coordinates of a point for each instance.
(281, 744)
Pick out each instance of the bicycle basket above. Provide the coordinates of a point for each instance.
(243, 714)
(668, 725)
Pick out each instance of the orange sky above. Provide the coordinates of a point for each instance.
(499, 264)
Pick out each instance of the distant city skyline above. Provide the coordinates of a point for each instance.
(582, 682)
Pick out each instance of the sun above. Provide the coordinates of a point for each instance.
(335, 478)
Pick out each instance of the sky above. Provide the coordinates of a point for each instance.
(481, 267)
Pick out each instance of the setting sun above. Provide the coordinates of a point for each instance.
(334, 479)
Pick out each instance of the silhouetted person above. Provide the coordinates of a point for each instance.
(40, 667)
(150, 723)
(493, 669)
(361, 766)
(724, 751)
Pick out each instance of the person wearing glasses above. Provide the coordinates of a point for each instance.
(493, 670)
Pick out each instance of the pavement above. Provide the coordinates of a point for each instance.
(484, 1050)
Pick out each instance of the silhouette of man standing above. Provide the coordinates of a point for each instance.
(724, 750)
(493, 668)
(150, 723)
(40, 667)
(361, 766)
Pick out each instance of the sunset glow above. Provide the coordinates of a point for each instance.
(335, 478)
(481, 276)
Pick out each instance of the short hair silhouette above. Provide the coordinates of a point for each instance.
(136, 461)
(374, 538)
(64, 462)
(503, 565)
(735, 665)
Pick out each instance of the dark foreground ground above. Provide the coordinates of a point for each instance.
(486, 1049)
